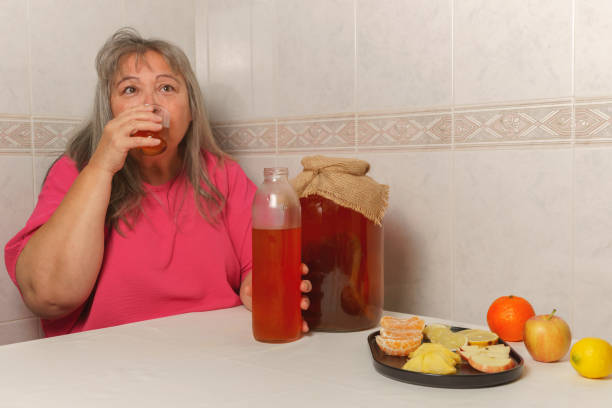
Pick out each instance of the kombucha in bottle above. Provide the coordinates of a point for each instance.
(277, 316)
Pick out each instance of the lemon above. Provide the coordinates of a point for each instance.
(480, 337)
(451, 341)
(592, 357)
(433, 331)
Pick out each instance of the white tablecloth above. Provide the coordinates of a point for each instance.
(210, 359)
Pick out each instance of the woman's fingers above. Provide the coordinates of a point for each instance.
(304, 269)
(305, 303)
(305, 328)
(305, 286)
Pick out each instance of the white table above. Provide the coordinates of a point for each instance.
(210, 359)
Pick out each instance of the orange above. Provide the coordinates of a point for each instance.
(507, 316)
(403, 347)
(397, 323)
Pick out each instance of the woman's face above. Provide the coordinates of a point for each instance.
(149, 80)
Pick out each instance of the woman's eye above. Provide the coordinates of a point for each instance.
(128, 90)
(167, 88)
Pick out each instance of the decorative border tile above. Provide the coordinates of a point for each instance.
(331, 133)
(521, 124)
(594, 121)
(260, 137)
(53, 135)
(15, 135)
(404, 130)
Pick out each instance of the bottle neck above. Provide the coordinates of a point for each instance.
(275, 174)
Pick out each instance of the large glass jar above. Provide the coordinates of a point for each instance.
(344, 253)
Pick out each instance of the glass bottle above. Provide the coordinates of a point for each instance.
(344, 253)
(277, 316)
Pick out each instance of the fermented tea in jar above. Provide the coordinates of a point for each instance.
(342, 242)
(277, 316)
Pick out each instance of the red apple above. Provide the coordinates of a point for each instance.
(547, 337)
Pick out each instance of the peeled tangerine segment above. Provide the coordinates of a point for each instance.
(396, 323)
(402, 347)
(399, 334)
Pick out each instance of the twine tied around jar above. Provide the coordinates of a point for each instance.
(344, 182)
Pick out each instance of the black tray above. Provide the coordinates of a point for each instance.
(466, 377)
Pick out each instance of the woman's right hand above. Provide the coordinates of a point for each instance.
(117, 137)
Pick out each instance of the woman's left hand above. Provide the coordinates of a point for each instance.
(246, 293)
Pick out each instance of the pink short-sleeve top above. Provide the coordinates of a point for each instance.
(171, 261)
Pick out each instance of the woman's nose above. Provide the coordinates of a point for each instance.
(149, 97)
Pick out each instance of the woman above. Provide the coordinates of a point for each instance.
(119, 236)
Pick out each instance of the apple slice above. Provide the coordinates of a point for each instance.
(491, 359)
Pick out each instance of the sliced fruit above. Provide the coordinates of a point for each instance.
(490, 363)
(490, 359)
(438, 348)
(403, 347)
(396, 323)
(450, 340)
(434, 363)
(477, 337)
(494, 349)
(433, 331)
(432, 359)
(414, 364)
(399, 334)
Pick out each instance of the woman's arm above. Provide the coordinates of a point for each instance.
(58, 267)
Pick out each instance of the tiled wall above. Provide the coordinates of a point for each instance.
(47, 79)
(466, 108)
(490, 119)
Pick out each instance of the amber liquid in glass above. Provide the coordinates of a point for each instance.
(276, 270)
(161, 135)
(343, 251)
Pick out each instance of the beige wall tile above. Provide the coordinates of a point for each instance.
(316, 56)
(512, 230)
(172, 21)
(15, 78)
(418, 276)
(593, 28)
(17, 203)
(403, 54)
(265, 45)
(593, 223)
(228, 92)
(253, 166)
(201, 41)
(507, 51)
(19, 330)
(42, 163)
(66, 37)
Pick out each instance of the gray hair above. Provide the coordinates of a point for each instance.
(127, 190)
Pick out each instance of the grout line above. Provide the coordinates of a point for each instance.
(31, 99)
(276, 148)
(355, 78)
(573, 169)
(252, 76)
(453, 211)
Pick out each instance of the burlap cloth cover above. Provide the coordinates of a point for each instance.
(344, 182)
